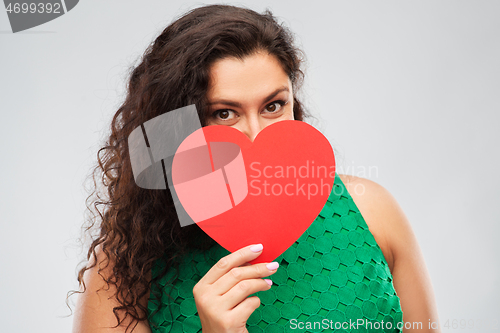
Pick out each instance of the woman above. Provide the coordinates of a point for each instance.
(148, 274)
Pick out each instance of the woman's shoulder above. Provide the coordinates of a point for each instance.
(95, 308)
(381, 212)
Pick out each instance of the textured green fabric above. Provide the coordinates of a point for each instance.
(334, 271)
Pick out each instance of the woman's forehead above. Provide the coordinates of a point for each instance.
(255, 75)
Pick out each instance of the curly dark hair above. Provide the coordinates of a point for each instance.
(132, 226)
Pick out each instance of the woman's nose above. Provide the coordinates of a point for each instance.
(252, 126)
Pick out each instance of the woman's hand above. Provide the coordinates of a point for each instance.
(221, 296)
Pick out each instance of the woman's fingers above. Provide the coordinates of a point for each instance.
(246, 308)
(222, 295)
(234, 259)
(240, 292)
(237, 274)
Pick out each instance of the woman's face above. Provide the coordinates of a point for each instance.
(249, 94)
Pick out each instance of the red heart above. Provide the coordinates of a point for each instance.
(292, 157)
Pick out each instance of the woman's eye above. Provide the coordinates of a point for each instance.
(275, 106)
(223, 114)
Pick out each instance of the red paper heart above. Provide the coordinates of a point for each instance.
(292, 157)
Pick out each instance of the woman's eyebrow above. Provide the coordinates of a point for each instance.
(238, 104)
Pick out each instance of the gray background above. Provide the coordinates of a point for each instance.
(410, 89)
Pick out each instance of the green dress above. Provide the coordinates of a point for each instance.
(334, 278)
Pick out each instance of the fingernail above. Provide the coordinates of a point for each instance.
(269, 282)
(256, 248)
(272, 266)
